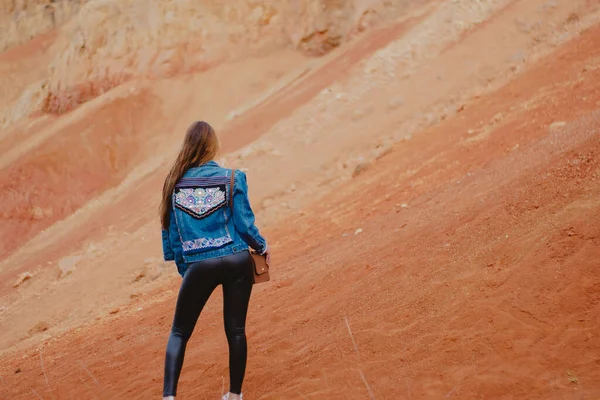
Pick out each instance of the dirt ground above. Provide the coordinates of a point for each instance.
(430, 190)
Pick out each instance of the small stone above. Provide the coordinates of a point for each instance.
(358, 231)
(557, 124)
(360, 168)
(432, 119)
(382, 151)
(151, 261)
(573, 18)
(395, 104)
(268, 202)
(114, 310)
(37, 213)
(360, 113)
(67, 265)
(404, 205)
(141, 275)
(39, 327)
(18, 371)
(94, 251)
(22, 278)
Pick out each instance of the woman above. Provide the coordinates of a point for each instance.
(209, 245)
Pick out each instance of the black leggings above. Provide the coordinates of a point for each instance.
(234, 272)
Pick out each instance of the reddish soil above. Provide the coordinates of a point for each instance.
(462, 264)
(100, 149)
(101, 153)
(251, 125)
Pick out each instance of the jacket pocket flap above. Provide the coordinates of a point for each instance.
(200, 201)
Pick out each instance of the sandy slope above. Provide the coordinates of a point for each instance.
(463, 258)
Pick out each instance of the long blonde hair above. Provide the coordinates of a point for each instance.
(200, 145)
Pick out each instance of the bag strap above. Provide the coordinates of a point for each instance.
(231, 187)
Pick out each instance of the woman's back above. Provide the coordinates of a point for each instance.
(202, 223)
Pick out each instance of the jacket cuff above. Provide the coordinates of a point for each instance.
(262, 253)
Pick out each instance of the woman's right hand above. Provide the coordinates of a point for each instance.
(268, 257)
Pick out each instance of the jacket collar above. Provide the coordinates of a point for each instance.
(210, 163)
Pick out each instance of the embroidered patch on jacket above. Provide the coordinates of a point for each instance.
(206, 243)
(201, 196)
(200, 202)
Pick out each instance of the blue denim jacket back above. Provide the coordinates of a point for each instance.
(202, 225)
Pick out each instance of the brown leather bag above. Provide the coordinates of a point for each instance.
(261, 267)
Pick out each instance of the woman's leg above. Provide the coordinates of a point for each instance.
(199, 282)
(237, 288)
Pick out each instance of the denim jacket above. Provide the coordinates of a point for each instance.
(202, 225)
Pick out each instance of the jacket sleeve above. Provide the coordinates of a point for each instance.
(243, 217)
(172, 249)
(168, 254)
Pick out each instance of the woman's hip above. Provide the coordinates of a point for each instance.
(224, 268)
